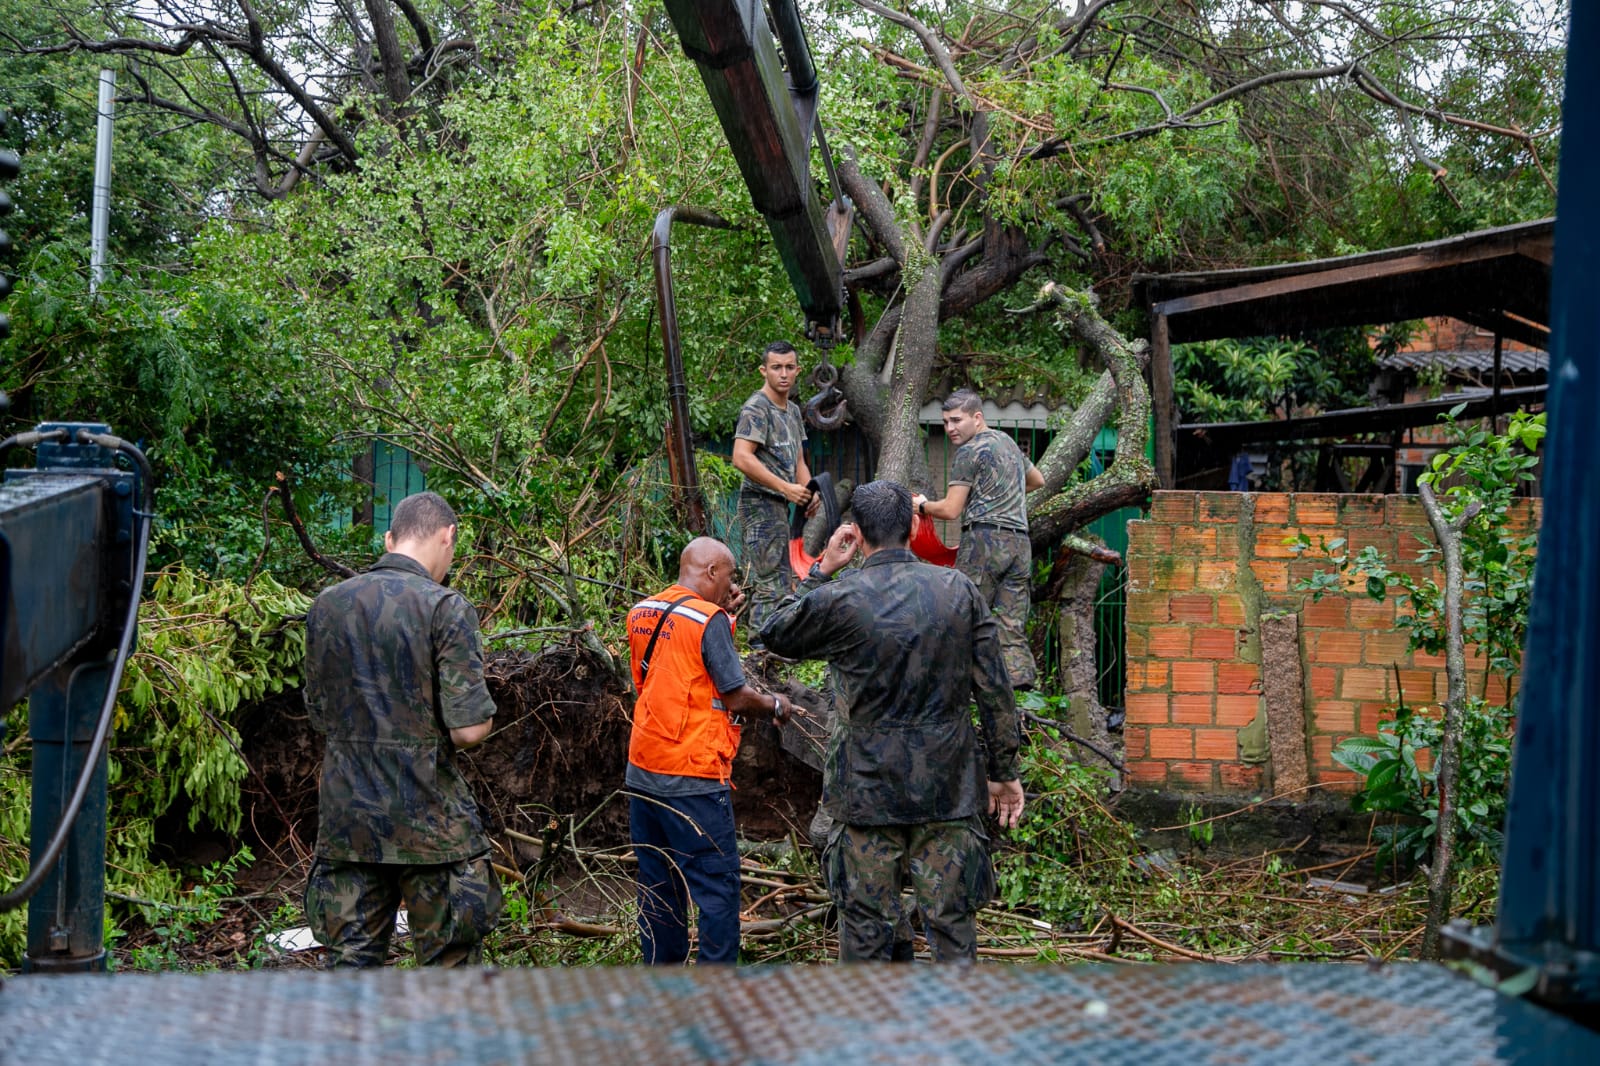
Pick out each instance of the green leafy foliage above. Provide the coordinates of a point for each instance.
(205, 647)
(1396, 781)
(1069, 854)
(1480, 473)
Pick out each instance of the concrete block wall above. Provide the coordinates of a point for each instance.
(1202, 571)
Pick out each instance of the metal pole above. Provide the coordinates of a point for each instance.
(100, 219)
(680, 446)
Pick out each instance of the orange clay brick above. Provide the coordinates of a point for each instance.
(1379, 537)
(1195, 775)
(1365, 683)
(1154, 538)
(1273, 575)
(1190, 676)
(1155, 675)
(1141, 569)
(1192, 709)
(1323, 680)
(1193, 607)
(1230, 610)
(1238, 677)
(1369, 714)
(1405, 512)
(1220, 506)
(1271, 508)
(1322, 752)
(1330, 612)
(1239, 778)
(1215, 644)
(1316, 509)
(1335, 646)
(1361, 510)
(1172, 507)
(1370, 614)
(1340, 780)
(1133, 674)
(1274, 543)
(1221, 745)
(1172, 743)
(1334, 716)
(1174, 573)
(1170, 642)
(1495, 690)
(1237, 711)
(1194, 540)
(1135, 742)
(1418, 686)
(1149, 606)
(1138, 642)
(1427, 659)
(1214, 576)
(1305, 569)
(1409, 546)
(1148, 774)
(1227, 546)
(1382, 649)
(1147, 708)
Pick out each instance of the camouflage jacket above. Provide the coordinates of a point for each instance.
(779, 434)
(393, 664)
(996, 472)
(911, 645)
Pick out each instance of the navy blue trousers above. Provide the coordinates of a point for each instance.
(687, 851)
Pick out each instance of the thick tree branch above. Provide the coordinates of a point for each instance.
(1130, 479)
(396, 79)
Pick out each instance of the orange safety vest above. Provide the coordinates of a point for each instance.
(679, 725)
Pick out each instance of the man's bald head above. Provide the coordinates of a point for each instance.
(706, 566)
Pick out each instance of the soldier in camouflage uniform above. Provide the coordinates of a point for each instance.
(989, 484)
(911, 645)
(394, 681)
(768, 449)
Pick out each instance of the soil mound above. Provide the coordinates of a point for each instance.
(558, 751)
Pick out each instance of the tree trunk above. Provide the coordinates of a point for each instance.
(1441, 875)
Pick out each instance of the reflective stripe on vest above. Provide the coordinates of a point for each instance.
(679, 726)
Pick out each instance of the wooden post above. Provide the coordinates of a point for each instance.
(1161, 398)
(1499, 345)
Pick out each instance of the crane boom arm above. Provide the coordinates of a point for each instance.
(768, 125)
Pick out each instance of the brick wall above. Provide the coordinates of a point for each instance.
(1202, 571)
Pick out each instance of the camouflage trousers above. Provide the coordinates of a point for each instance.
(764, 521)
(1000, 563)
(351, 908)
(947, 866)
(824, 834)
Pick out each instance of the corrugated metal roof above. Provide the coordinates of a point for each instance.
(1476, 360)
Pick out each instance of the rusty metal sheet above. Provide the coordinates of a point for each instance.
(805, 1015)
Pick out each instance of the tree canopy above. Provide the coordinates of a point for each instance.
(427, 223)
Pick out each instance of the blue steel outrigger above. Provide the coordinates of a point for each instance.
(1547, 929)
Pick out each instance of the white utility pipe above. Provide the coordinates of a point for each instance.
(100, 219)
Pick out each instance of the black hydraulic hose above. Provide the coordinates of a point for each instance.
(102, 730)
(30, 439)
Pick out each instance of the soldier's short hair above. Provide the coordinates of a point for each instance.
(883, 513)
(775, 348)
(420, 516)
(963, 400)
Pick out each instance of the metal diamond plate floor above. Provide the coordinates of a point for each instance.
(807, 1016)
